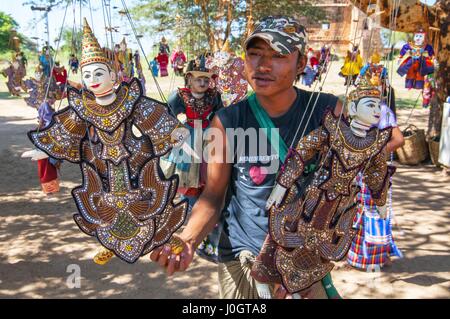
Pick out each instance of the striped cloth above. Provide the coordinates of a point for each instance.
(373, 243)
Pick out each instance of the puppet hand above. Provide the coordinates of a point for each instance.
(182, 117)
(358, 79)
(276, 196)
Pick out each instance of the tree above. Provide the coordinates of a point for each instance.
(407, 16)
(7, 24)
(211, 23)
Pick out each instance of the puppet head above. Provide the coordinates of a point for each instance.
(419, 37)
(198, 77)
(97, 74)
(364, 105)
(375, 58)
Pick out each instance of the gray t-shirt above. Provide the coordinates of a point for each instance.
(244, 218)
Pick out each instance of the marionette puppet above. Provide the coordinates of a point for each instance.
(15, 73)
(416, 61)
(311, 69)
(117, 137)
(352, 66)
(307, 231)
(229, 68)
(194, 105)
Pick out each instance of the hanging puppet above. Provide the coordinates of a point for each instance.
(311, 69)
(15, 73)
(178, 60)
(139, 71)
(352, 66)
(36, 88)
(195, 105)
(417, 61)
(229, 68)
(117, 137)
(308, 231)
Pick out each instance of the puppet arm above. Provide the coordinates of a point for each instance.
(294, 166)
(377, 177)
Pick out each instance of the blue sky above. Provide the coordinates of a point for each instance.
(32, 25)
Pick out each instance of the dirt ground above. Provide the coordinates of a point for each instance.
(39, 240)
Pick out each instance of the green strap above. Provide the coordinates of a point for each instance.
(281, 148)
(266, 123)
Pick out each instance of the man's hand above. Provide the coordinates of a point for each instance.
(164, 256)
(276, 196)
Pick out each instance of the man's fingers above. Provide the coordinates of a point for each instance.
(174, 264)
(165, 253)
(154, 255)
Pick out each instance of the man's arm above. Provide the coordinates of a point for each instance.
(206, 211)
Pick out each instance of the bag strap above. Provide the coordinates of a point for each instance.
(265, 122)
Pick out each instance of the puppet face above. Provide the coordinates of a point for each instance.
(419, 38)
(366, 110)
(310, 54)
(199, 84)
(98, 79)
(15, 65)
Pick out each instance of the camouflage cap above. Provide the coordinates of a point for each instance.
(283, 34)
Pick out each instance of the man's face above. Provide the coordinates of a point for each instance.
(98, 79)
(369, 110)
(199, 84)
(419, 38)
(269, 72)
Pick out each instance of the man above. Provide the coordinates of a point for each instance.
(237, 192)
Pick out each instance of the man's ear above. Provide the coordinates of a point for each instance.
(352, 109)
(301, 64)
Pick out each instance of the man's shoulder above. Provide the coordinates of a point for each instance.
(323, 99)
(233, 109)
(230, 115)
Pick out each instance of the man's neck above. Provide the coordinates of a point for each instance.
(277, 105)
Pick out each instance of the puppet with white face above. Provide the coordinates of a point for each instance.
(310, 222)
(117, 137)
(416, 61)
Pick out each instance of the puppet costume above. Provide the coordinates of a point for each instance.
(417, 64)
(191, 173)
(308, 231)
(230, 80)
(124, 200)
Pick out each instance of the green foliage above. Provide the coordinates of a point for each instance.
(7, 23)
(71, 40)
(200, 25)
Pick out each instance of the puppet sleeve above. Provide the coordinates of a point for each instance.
(377, 177)
(306, 149)
(62, 138)
(165, 131)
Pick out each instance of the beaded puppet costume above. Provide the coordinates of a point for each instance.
(418, 61)
(308, 231)
(229, 68)
(124, 199)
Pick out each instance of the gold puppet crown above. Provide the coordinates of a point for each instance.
(91, 50)
(364, 89)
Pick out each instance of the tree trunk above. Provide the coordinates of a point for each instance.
(410, 15)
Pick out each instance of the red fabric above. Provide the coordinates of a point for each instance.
(177, 55)
(60, 75)
(314, 61)
(191, 114)
(163, 60)
(46, 171)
